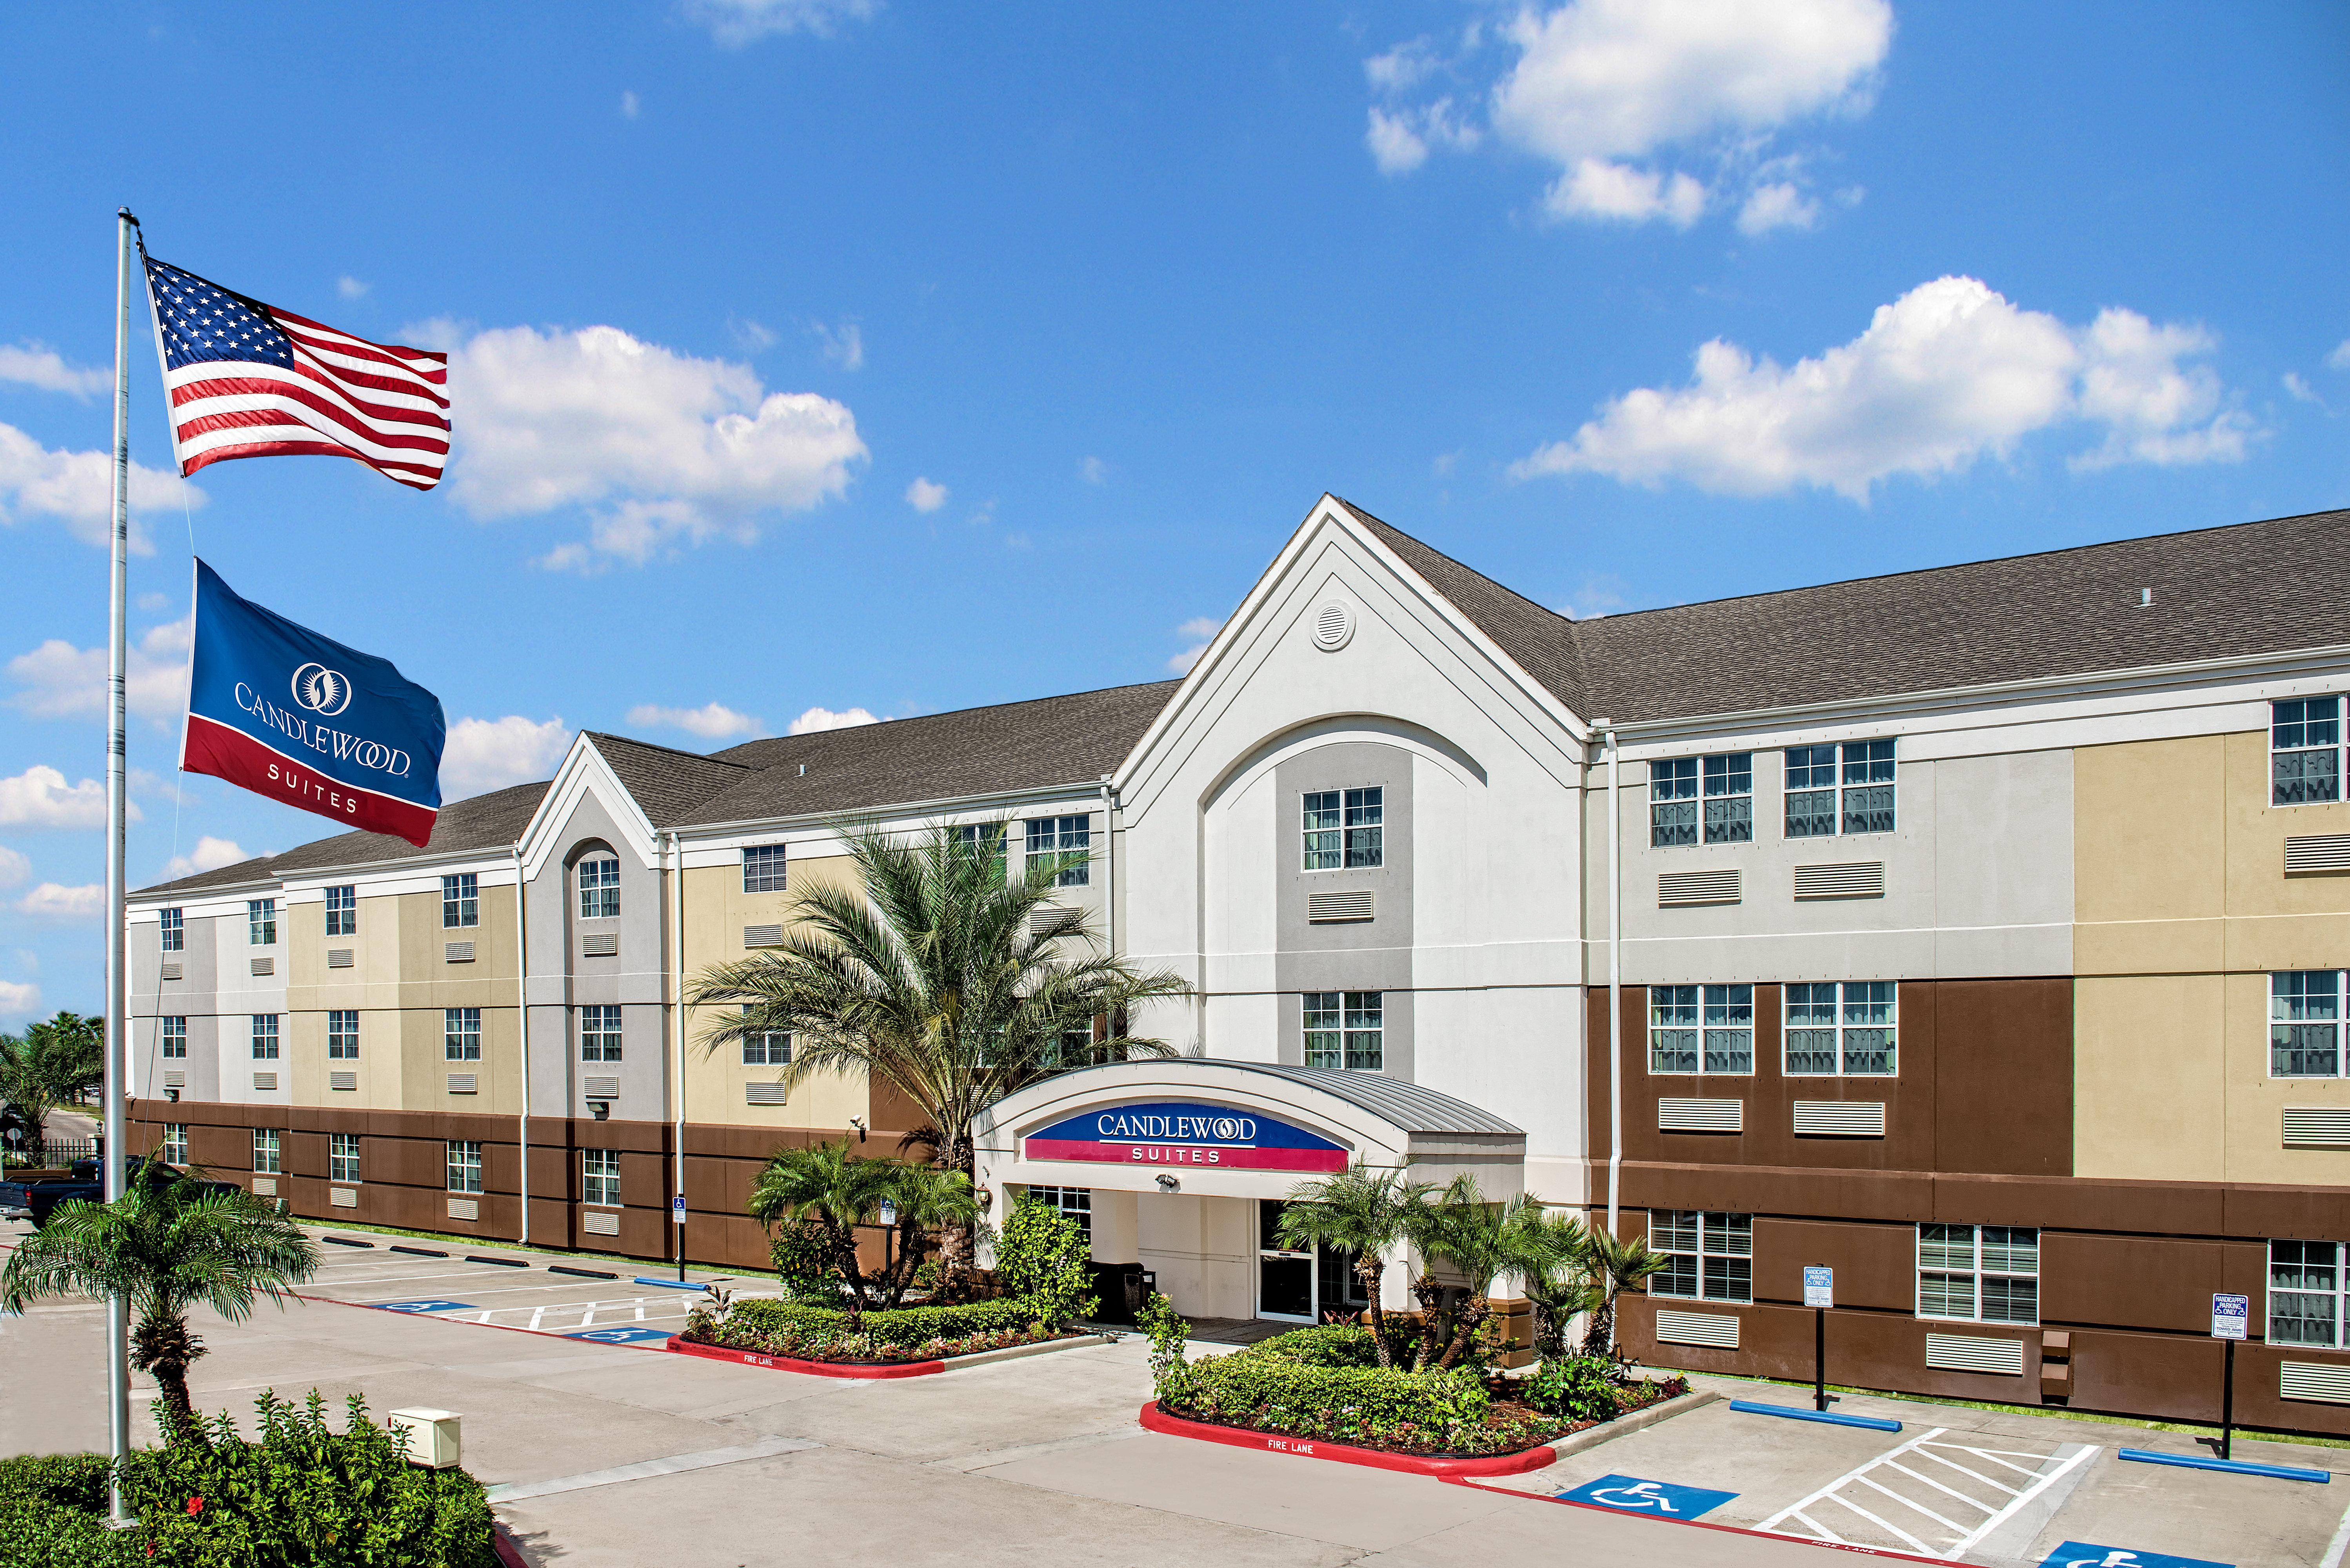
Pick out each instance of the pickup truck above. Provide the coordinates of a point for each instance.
(35, 1200)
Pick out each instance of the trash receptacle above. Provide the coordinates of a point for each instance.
(1120, 1291)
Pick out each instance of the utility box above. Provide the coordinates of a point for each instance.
(434, 1441)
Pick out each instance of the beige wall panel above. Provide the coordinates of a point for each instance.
(2150, 947)
(2257, 884)
(2150, 1078)
(2148, 834)
(2256, 1101)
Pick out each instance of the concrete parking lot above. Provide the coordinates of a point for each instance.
(601, 1451)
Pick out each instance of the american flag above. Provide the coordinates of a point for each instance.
(247, 380)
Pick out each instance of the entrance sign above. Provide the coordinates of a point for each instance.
(2230, 1315)
(1819, 1286)
(1184, 1132)
(1661, 1500)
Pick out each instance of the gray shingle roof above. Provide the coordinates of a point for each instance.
(1414, 1108)
(665, 782)
(491, 821)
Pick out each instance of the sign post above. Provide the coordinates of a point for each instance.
(1819, 1294)
(2231, 1318)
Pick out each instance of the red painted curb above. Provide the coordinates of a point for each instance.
(1154, 1419)
(813, 1368)
(509, 1555)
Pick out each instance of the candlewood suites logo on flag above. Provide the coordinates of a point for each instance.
(275, 707)
(1179, 1132)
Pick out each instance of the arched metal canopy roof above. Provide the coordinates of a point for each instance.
(1411, 1107)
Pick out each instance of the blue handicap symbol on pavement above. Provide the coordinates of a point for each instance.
(430, 1304)
(1630, 1494)
(620, 1336)
(2081, 1554)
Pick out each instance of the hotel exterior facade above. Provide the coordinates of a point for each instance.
(1979, 933)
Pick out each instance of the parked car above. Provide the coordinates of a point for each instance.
(35, 1200)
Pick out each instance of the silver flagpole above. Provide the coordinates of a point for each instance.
(118, 785)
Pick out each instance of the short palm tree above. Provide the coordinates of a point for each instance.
(1615, 1266)
(1363, 1212)
(169, 1243)
(940, 977)
(1477, 1238)
(833, 1192)
(1552, 1255)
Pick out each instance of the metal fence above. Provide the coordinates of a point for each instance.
(51, 1153)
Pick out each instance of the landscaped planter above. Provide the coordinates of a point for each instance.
(684, 1346)
(1154, 1419)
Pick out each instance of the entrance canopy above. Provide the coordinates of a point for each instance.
(1236, 1129)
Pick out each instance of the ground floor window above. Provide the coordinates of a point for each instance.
(268, 1151)
(600, 1169)
(1978, 1273)
(342, 1157)
(2306, 1287)
(175, 1143)
(342, 1034)
(1709, 1256)
(1346, 1029)
(1076, 1203)
(464, 1164)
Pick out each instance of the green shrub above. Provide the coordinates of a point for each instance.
(1576, 1388)
(805, 1264)
(1426, 1412)
(1332, 1345)
(906, 1334)
(1167, 1333)
(1042, 1257)
(52, 1513)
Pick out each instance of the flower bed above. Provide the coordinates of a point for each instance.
(794, 1331)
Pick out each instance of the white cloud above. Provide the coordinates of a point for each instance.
(750, 336)
(843, 345)
(210, 854)
(1094, 470)
(37, 365)
(629, 105)
(735, 22)
(1776, 204)
(1200, 630)
(674, 449)
(711, 722)
(924, 496)
(14, 867)
(2301, 391)
(55, 902)
(1948, 373)
(1596, 188)
(1399, 140)
(817, 719)
(351, 287)
(484, 754)
(1598, 598)
(62, 681)
(1401, 69)
(78, 487)
(40, 797)
(19, 999)
(2340, 358)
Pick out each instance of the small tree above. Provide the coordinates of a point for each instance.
(828, 1193)
(1475, 1237)
(1552, 1259)
(1041, 1256)
(1363, 1213)
(1615, 1266)
(54, 1063)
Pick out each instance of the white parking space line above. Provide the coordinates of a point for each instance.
(514, 1491)
(2338, 1545)
(1948, 1498)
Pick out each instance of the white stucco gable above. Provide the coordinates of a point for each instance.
(586, 774)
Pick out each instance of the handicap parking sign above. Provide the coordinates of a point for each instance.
(1663, 1499)
(620, 1336)
(2081, 1554)
(430, 1305)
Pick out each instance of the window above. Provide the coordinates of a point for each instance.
(2306, 751)
(1063, 845)
(343, 910)
(175, 1143)
(1345, 829)
(175, 1039)
(268, 1151)
(175, 930)
(1709, 1257)
(1728, 804)
(464, 1164)
(260, 922)
(461, 900)
(763, 868)
(1076, 1203)
(599, 1033)
(601, 1167)
(773, 1049)
(1346, 1029)
(600, 889)
(343, 1034)
(1700, 1029)
(460, 1033)
(1978, 1273)
(2305, 1023)
(342, 1157)
(265, 1037)
(1851, 1036)
(990, 836)
(1824, 799)
(2305, 1280)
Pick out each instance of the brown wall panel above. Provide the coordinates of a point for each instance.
(2134, 1282)
(1876, 1265)
(2004, 1075)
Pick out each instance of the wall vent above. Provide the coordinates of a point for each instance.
(338, 958)
(763, 936)
(1680, 889)
(1849, 880)
(1717, 1330)
(1973, 1353)
(600, 944)
(464, 1209)
(1332, 908)
(265, 1187)
(1702, 1115)
(456, 952)
(603, 1089)
(172, 971)
(596, 1224)
(342, 1080)
(2328, 1382)
(762, 1094)
(1840, 1118)
(2317, 1126)
(2317, 853)
(1043, 914)
(265, 1080)
(1334, 627)
(175, 1080)
(264, 966)
(465, 1082)
(342, 1197)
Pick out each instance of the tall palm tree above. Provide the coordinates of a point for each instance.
(1616, 1266)
(172, 1242)
(1552, 1252)
(54, 1063)
(1359, 1211)
(941, 978)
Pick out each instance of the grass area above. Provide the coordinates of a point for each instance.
(458, 1243)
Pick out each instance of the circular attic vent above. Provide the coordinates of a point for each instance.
(1334, 627)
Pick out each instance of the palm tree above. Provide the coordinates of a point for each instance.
(928, 1199)
(1551, 1254)
(1616, 1266)
(54, 1063)
(172, 1242)
(1359, 1212)
(1477, 1238)
(829, 1189)
(940, 977)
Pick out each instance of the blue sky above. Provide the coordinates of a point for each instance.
(812, 357)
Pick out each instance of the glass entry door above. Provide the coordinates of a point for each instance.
(1302, 1285)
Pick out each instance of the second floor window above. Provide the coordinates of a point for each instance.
(600, 1169)
(1978, 1273)
(763, 868)
(175, 930)
(342, 1157)
(1063, 845)
(265, 1037)
(343, 1034)
(175, 1143)
(464, 1164)
(1706, 799)
(2305, 1294)
(268, 1152)
(1841, 1030)
(1700, 1029)
(599, 1034)
(175, 1038)
(2304, 750)
(769, 1050)
(461, 900)
(460, 1033)
(988, 838)
(2305, 1023)
(1346, 828)
(1840, 789)
(1709, 1256)
(343, 910)
(1346, 1029)
(600, 889)
(260, 922)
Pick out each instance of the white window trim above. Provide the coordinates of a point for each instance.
(1786, 1002)
(1304, 832)
(1704, 1230)
(589, 1157)
(276, 1148)
(454, 1032)
(1918, 1275)
(451, 1165)
(1701, 1070)
(579, 1027)
(2268, 1293)
(1839, 789)
(2340, 1023)
(1746, 795)
(2342, 740)
(335, 1158)
(174, 1147)
(1342, 1032)
(583, 888)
